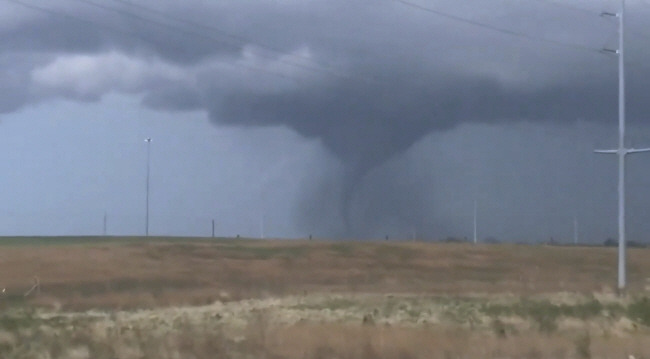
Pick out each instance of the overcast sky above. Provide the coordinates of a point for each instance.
(337, 118)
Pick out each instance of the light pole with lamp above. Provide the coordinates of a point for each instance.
(148, 141)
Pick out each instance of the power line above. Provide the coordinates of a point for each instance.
(158, 23)
(642, 48)
(240, 40)
(321, 68)
(570, 7)
(51, 11)
(495, 28)
(235, 37)
(591, 13)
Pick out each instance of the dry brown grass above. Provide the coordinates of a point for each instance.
(131, 336)
(336, 341)
(319, 300)
(189, 273)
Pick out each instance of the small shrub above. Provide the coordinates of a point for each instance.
(498, 328)
(13, 321)
(585, 310)
(543, 313)
(639, 311)
(368, 319)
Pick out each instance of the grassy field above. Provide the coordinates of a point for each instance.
(121, 273)
(241, 298)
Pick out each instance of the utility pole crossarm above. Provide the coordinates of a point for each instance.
(606, 151)
(638, 150)
(625, 151)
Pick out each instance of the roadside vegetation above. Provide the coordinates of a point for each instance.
(340, 326)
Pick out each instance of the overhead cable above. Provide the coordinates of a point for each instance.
(490, 27)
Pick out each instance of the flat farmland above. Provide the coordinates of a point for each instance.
(137, 298)
(122, 273)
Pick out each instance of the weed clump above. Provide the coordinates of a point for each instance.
(498, 328)
(639, 311)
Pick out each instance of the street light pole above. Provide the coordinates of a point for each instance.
(262, 226)
(475, 228)
(148, 141)
(575, 230)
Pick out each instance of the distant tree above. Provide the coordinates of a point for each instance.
(610, 242)
(635, 244)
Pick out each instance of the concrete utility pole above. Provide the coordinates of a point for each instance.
(621, 151)
(262, 226)
(148, 141)
(575, 231)
(475, 233)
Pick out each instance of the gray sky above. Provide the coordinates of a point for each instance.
(331, 117)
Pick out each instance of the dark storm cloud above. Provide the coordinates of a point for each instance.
(64, 27)
(365, 125)
(173, 98)
(368, 79)
(384, 68)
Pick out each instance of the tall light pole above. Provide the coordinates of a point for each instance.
(475, 228)
(148, 141)
(262, 226)
(621, 151)
(575, 230)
